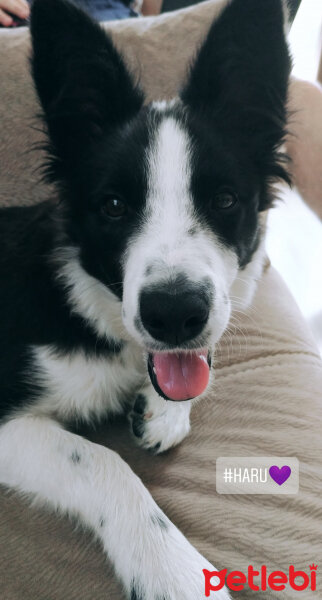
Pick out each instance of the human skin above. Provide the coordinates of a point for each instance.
(151, 7)
(304, 144)
(13, 8)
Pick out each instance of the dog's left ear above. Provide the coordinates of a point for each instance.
(82, 82)
(240, 79)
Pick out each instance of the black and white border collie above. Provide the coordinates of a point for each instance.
(116, 293)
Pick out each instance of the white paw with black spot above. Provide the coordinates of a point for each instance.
(158, 424)
(172, 569)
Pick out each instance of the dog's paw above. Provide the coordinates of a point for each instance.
(158, 424)
(173, 572)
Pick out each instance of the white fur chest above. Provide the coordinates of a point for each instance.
(78, 387)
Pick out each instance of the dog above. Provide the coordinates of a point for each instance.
(115, 293)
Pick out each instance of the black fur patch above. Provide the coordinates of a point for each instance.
(135, 594)
(159, 521)
(155, 448)
(140, 404)
(33, 304)
(138, 425)
(75, 457)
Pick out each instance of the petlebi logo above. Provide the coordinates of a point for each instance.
(260, 580)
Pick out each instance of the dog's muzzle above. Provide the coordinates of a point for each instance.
(175, 315)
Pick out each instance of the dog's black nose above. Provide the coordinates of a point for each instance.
(173, 316)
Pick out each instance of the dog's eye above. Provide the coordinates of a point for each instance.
(224, 200)
(114, 208)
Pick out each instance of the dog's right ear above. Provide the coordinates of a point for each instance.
(239, 80)
(82, 82)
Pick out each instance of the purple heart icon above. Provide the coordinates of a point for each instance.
(280, 474)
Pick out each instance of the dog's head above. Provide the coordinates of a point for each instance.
(163, 200)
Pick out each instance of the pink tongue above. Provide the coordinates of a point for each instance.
(181, 376)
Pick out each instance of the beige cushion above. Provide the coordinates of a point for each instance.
(266, 398)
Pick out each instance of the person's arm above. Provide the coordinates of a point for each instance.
(151, 7)
(12, 8)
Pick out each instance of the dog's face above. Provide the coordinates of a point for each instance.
(163, 200)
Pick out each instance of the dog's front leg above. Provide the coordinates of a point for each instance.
(157, 423)
(75, 476)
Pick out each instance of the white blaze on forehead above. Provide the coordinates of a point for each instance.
(169, 202)
(164, 239)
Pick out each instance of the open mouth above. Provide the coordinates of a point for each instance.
(180, 375)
